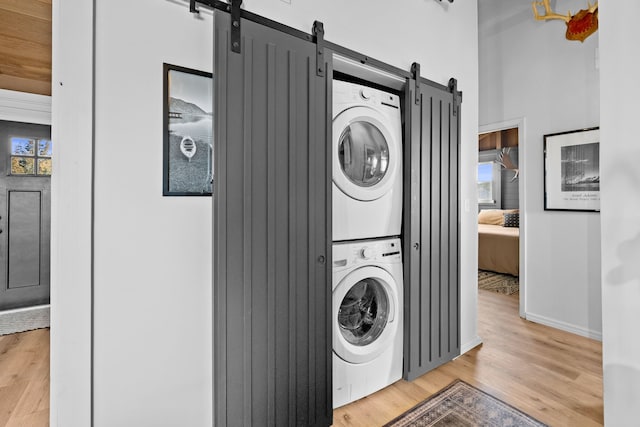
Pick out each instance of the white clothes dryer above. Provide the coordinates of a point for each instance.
(367, 163)
(367, 318)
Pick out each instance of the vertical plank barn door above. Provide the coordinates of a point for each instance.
(271, 322)
(431, 227)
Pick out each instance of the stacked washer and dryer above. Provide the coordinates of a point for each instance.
(367, 262)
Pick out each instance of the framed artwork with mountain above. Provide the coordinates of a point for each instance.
(188, 132)
(572, 170)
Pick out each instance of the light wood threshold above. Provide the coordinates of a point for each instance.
(552, 375)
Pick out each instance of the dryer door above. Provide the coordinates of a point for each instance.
(365, 306)
(366, 154)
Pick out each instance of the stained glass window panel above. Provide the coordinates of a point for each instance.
(22, 166)
(23, 146)
(44, 166)
(45, 148)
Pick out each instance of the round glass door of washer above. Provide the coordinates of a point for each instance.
(364, 312)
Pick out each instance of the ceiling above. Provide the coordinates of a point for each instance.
(497, 140)
(25, 46)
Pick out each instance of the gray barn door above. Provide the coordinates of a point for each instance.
(431, 228)
(272, 332)
(25, 214)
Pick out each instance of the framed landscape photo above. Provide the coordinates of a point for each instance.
(572, 170)
(188, 132)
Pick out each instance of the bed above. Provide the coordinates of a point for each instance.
(499, 241)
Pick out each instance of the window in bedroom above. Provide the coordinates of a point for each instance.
(489, 182)
(486, 178)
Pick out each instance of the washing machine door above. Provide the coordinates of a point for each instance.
(365, 306)
(366, 155)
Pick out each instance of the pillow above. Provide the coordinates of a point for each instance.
(512, 219)
(491, 216)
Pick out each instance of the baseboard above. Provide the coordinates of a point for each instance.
(563, 326)
(24, 319)
(470, 345)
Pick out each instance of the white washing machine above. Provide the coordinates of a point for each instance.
(367, 162)
(367, 318)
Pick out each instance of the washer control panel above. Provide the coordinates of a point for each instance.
(348, 254)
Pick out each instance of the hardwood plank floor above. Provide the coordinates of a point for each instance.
(551, 375)
(24, 379)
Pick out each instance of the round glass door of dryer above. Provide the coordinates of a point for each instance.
(364, 310)
(363, 153)
(366, 157)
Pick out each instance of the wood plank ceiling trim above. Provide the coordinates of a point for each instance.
(25, 46)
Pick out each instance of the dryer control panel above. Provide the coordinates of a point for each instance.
(349, 254)
(347, 93)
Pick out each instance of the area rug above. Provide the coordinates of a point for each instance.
(462, 405)
(502, 283)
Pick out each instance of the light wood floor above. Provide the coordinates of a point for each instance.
(551, 375)
(24, 379)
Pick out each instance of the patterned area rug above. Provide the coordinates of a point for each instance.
(461, 405)
(502, 283)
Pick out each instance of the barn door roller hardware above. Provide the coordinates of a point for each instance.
(453, 88)
(236, 38)
(233, 9)
(318, 32)
(192, 7)
(415, 73)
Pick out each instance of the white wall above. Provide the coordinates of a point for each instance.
(72, 133)
(619, 153)
(152, 333)
(152, 358)
(529, 70)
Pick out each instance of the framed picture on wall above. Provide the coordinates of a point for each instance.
(572, 170)
(188, 132)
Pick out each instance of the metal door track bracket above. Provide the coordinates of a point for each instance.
(453, 88)
(192, 7)
(236, 36)
(415, 72)
(318, 32)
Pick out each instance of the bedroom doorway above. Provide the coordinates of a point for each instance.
(501, 210)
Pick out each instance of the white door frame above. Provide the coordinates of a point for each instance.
(522, 199)
(25, 107)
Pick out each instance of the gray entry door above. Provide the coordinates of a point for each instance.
(431, 228)
(25, 214)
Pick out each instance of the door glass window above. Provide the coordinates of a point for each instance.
(363, 154)
(364, 312)
(31, 156)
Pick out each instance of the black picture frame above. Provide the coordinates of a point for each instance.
(572, 170)
(187, 120)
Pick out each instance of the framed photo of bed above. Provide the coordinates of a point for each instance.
(188, 132)
(572, 170)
